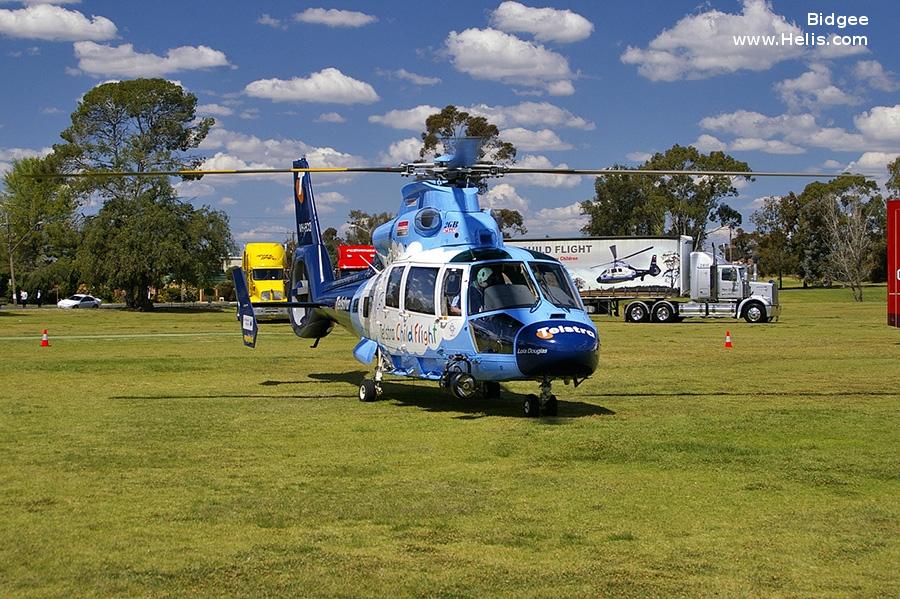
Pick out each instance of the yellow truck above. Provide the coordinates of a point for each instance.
(264, 265)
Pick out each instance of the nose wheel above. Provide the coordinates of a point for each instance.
(545, 404)
(370, 389)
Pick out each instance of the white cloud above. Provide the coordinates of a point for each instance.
(813, 89)
(523, 114)
(270, 153)
(878, 130)
(404, 150)
(531, 114)
(412, 119)
(334, 18)
(496, 56)
(832, 164)
(709, 143)
(327, 202)
(562, 221)
(7, 155)
(413, 78)
(227, 201)
(270, 21)
(542, 162)
(52, 23)
(874, 163)
(214, 109)
(264, 233)
(194, 189)
(881, 123)
(645, 156)
(525, 139)
(328, 85)
(504, 195)
(769, 146)
(101, 59)
(702, 45)
(330, 117)
(546, 24)
(745, 123)
(873, 74)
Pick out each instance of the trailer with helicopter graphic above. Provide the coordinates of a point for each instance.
(658, 279)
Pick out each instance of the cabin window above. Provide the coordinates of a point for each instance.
(728, 274)
(365, 310)
(392, 296)
(420, 284)
(555, 285)
(451, 292)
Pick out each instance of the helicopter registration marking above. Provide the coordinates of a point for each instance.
(549, 332)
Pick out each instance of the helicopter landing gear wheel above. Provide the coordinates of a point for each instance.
(368, 391)
(532, 406)
(491, 390)
(551, 407)
(463, 385)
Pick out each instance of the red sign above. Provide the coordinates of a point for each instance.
(355, 257)
(893, 251)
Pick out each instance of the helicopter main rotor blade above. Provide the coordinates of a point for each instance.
(202, 172)
(611, 171)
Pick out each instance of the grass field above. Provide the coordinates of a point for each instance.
(152, 454)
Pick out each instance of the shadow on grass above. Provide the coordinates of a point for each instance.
(427, 396)
(748, 394)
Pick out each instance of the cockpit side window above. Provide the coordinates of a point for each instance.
(392, 295)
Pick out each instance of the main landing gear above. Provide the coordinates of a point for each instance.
(545, 404)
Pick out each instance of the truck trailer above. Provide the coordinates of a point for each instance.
(658, 279)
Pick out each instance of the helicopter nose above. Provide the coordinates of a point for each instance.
(557, 348)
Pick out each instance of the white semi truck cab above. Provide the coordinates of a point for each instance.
(717, 290)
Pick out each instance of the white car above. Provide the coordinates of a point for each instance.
(79, 300)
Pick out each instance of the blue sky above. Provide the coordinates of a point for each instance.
(577, 84)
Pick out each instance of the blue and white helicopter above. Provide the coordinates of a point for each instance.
(448, 301)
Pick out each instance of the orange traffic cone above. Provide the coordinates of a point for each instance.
(728, 344)
(45, 341)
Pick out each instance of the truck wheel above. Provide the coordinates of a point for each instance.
(755, 313)
(663, 313)
(636, 312)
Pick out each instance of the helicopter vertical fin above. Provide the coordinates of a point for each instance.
(310, 249)
(246, 316)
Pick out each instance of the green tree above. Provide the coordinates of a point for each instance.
(141, 125)
(777, 227)
(361, 225)
(510, 222)
(133, 244)
(39, 227)
(853, 217)
(893, 183)
(624, 205)
(691, 201)
(452, 122)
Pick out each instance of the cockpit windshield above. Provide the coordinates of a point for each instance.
(499, 286)
(555, 285)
